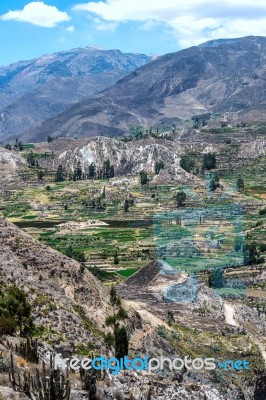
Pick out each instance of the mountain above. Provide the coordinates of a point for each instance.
(213, 78)
(32, 91)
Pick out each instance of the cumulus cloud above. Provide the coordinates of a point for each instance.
(191, 21)
(37, 13)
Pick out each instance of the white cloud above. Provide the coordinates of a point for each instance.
(70, 28)
(191, 21)
(37, 13)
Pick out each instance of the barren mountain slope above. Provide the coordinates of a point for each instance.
(226, 76)
(33, 91)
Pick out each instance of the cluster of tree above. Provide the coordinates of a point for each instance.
(200, 121)
(119, 337)
(75, 254)
(32, 161)
(17, 146)
(148, 133)
(15, 312)
(97, 203)
(106, 172)
(189, 163)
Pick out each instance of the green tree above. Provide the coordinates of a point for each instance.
(92, 171)
(187, 162)
(40, 175)
(75, 254)
(116, 259)
(158, 166)
(180, 198)
(78, 173)
(121, 343)
(119, 334)
(59, 176)
(20, 146)
(240, 184)
(31, 160)
(14, 306)
(216, 278)
(170, 317)
(126, 205)
(143, 178)
(214, 182)
(209, 161)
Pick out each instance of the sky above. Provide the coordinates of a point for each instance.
(29, 29)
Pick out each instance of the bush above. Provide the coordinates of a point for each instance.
(7, 326)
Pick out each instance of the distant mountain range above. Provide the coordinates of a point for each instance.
(216, 77)
(33, 91)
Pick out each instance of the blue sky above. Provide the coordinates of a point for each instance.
(29, 29)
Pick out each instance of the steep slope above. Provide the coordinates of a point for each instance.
(220, 76)
(56, 285)
(11, 164)
(32, 91)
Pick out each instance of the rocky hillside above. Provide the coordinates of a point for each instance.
(33, 91)
(227, 76)
(11, 164)
(55, 284)
(127, 158)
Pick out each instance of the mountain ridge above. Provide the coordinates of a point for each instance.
(171, 89)
(35, 90)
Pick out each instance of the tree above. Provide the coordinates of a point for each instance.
(40, 175)
(180, 198)
(31, 160)
(116, 259)
(158, 166)
(214, 183)
(187, 162)
(240, 184)
(143, 177)
(126, 205)
(78, 173)
(209, 161)
(119, 334)
(170, 317)
(216, 278)
(50, 139)
(92, 171)
(75, 254)
(14, 307)
(108, 170)
(59, 176)
(253, 254)
(8, 146)
(121, 343)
